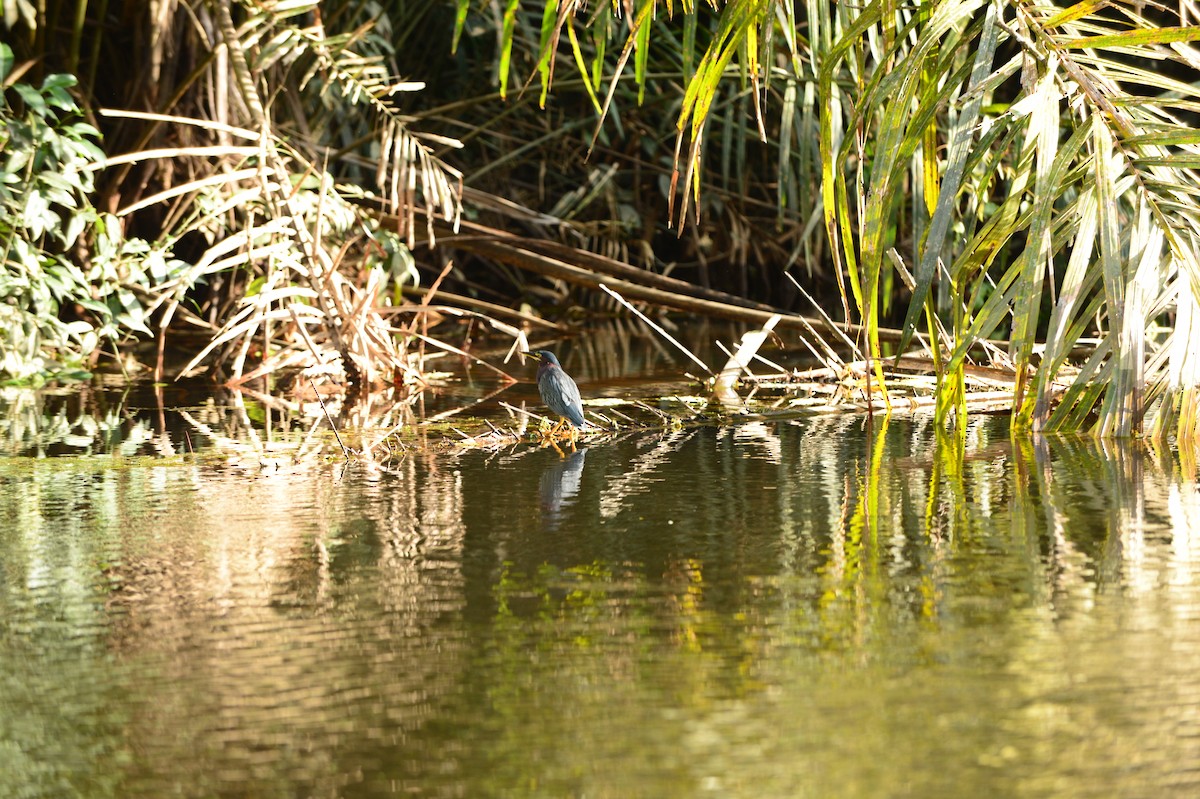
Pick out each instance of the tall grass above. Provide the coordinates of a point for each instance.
(1033, 166)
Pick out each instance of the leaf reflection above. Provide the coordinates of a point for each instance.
(760, 608)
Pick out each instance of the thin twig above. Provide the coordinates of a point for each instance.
(451, 348)
(834, 326)
(336, 435)
(303, 331)
(523, 412)
(655, 411)
(656, 327)
(623, 416)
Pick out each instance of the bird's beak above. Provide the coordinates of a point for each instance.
(525, 355)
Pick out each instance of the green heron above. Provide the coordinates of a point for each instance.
(558, 390)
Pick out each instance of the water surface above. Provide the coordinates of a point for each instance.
(792, 609)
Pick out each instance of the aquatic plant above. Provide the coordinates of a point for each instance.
(1016, 169)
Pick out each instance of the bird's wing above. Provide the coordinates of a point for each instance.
(571, 391)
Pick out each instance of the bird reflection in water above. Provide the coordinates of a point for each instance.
(559, 485)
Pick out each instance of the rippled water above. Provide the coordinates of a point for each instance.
(795, 609)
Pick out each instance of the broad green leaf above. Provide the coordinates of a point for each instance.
(601, 27)
(506, 44)
(460, 21)
(641, 52)
(33, 98)
(960, 143)
(581, 65)
(1136, 38)
(1050, 164)
(547, 48)
(37, 217)
(1165, 138)
(1075, 12)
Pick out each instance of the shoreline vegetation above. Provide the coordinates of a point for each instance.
(967, 206)
(254, 429)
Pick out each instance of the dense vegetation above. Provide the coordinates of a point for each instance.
(273, 174)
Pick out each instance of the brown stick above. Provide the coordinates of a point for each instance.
(552, 267)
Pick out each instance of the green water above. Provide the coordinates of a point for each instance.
(775, 610)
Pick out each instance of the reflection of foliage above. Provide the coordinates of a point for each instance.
(37, 424)
(77, 752)
(395, 627)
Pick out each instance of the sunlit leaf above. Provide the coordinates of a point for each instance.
(1136, 37)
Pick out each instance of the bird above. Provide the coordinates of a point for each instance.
(558, 391)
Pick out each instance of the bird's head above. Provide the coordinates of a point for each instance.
(545, 356)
